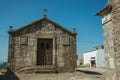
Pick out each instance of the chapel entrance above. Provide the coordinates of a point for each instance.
(44, 51)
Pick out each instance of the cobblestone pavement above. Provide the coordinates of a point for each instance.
(81, 74)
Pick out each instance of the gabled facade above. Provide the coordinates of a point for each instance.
(42, 45)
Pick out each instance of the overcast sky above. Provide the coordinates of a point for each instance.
(68, 13)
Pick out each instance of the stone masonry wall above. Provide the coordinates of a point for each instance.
(24, 48)
(116, 38)
(112, 42)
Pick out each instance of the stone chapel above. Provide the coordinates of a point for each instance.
(42, 46)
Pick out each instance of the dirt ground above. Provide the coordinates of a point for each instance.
(80, 74)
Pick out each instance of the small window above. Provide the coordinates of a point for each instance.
(92, 57)
(64, 40)
(23, 40)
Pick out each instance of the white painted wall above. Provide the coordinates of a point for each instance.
(106, 18)
(100, 58)
(87, 56)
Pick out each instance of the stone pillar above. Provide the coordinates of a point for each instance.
(111, 28)
(10, 64)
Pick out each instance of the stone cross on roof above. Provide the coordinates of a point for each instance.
(45, 11)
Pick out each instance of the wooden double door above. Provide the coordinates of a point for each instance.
(44, 51)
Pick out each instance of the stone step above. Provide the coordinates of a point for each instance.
(37, 69)
(45, 69)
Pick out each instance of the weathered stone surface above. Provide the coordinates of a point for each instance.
(111, 29)
(23, 46)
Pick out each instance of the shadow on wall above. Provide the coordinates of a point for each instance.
(8, 76)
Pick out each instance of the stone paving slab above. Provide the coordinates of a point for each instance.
(78, 75)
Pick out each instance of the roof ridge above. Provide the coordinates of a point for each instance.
(35, 21)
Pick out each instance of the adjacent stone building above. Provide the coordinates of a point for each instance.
(111, 26)
(42, 46)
